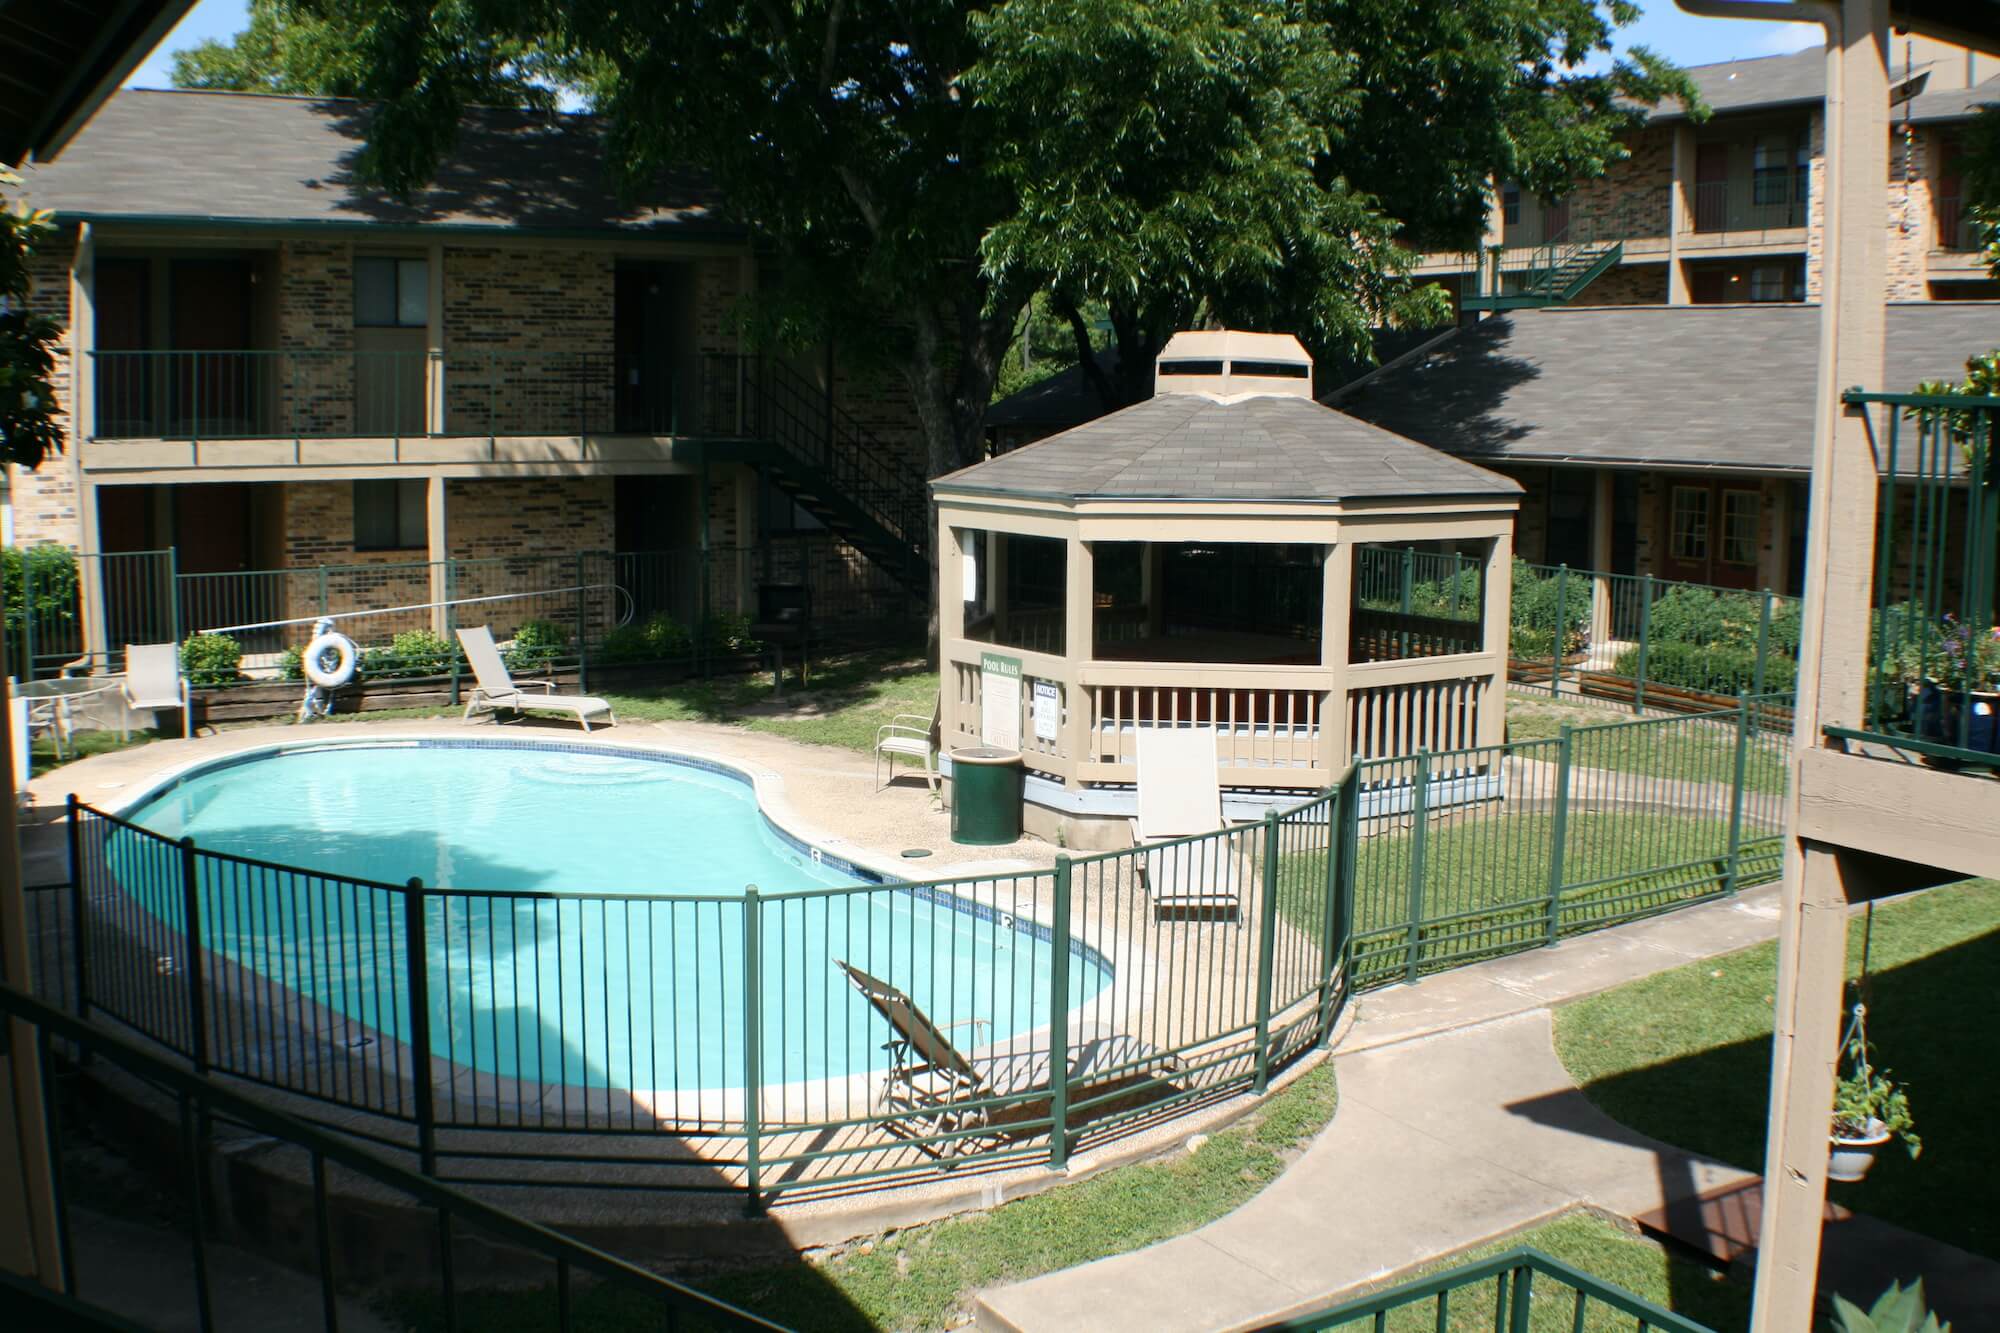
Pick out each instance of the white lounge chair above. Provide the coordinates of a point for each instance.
(496, 689)
(154, 683)
(1180, 797)
(912, 736)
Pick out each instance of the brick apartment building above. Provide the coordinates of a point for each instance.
(268, 367)
(1639, 355)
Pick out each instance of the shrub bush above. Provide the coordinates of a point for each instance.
(658, 639)
(417, 652)
(537, 646)
(292, 663)
(1710, 668)
(211, 659)
(730, 633)
(1535, 602)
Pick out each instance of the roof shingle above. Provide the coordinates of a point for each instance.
(1185, 446)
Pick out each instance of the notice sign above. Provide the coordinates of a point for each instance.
(1000, 701)
(1048, 711)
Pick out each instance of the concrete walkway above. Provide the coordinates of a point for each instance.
(1457, 1124)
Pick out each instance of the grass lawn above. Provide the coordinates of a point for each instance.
(1586, 1241)
(923, 1277)
(1486, 879)
(848, 698)
(82, 745)
(1685, 1056)
(1673, 750)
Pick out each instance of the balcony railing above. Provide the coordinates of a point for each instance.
(1934, 654)
(1779, 202)
(1956, 230)
(300, 394)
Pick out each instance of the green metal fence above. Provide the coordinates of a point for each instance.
(1520, 1291)
(718, 1042)
(1468, 854)
(1167, 975)
(1648, 642)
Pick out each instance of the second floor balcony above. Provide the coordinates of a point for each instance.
(312, 394)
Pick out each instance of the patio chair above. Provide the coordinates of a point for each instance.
(914, 737)
(1179, 799)
(154, 683)
(931, 1081)
(496, 689)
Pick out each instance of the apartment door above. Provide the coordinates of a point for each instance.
(1555, 219)
(1714, 531)
(215, 378)
(123, 369)
(1711, 187)
(649, 307)
(657, 529)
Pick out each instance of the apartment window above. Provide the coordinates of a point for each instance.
(1773, 160)
(1770, 282)
(1510, 205)
(389, 515)
(1690, 523)
(391, 293)
(1740, 511)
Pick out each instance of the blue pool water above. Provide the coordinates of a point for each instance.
(606, 944)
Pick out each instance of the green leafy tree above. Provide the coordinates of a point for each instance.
(302, 48)
(28, 428)
(1405, 111)
(923, 170)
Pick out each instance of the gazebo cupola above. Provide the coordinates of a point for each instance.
(1231, 554)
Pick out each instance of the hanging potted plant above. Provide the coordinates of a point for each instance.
(1868, 1109)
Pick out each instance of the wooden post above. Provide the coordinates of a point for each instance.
(1079, 626)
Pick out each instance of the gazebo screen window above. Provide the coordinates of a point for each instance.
(1208, 602)
(1417, 599)
(1021, 607)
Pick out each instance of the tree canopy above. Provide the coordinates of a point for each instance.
(923, 170)
(28, 339)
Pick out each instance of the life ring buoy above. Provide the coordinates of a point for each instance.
(344, 653)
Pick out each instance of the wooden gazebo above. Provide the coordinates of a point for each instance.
(1228, 553)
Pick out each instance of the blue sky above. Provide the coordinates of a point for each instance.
(1678, 36)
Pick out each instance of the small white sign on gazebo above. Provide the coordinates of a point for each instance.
(1000, 701)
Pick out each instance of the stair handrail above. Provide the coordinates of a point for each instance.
(802, 421)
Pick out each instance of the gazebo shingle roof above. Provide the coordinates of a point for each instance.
(1186, 446)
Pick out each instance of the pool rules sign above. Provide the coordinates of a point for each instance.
(1000, 701)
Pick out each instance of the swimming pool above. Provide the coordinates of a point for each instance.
(587, 920)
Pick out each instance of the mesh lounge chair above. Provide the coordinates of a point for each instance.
(496, 689)
(153, 683)
(1180, 798)
(930, 1081)
(912, 736)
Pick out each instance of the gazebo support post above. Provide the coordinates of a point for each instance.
(1079, 630)
(1336, 605)
(1499, 603)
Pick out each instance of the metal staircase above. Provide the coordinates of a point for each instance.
(863, 491)
(1553, 273)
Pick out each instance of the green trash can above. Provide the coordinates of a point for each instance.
(985, 796)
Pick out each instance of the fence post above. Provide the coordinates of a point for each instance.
(1419, 817)
(1404, 600)
(29, 610)
(417, 985)
(1645, 637)
(582, 653)
(1763, 646)
(1333, 940)
(753, 1046)
(451, 623)
(1559, 834)
(1556, 649)
(322, 589)
(191, 965)
(1059, 1018)
(1736, 793)
(173, 596)
(79, 907)
(1267, 937)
